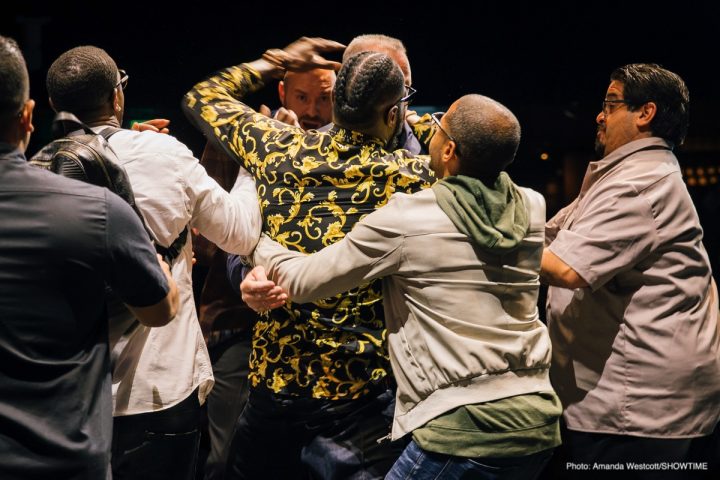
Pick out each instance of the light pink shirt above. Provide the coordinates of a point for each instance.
(638, 351)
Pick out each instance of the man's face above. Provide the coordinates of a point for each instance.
(308, 95)
(438, 143)
(616, 123)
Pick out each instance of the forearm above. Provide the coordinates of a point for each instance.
(162, 312)
(556, 273)
(306, 278)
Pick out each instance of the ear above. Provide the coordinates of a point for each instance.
(26, 117)
(647, 114)
(52, 105)
(449, 157)
(281, 92)
(116, 100)
(392, 116)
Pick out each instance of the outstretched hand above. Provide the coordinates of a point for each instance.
(261, 294)
(158, 125)
(304, 54)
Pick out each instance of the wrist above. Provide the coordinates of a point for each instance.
(267, 69)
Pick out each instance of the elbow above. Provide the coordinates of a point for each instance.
(161, 313)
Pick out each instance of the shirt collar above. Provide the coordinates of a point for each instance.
(597, 169)
(351, 137)
(9, 151)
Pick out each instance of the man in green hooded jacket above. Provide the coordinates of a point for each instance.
(461, 263)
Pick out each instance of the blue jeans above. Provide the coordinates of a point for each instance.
(418, 464)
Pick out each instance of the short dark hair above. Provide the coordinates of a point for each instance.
(649, 82)
(82, 79)
(366, 82)
(14, 81)
(487, 135)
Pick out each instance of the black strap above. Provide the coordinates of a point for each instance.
(173, 251)
(67, 124)
(108, 132)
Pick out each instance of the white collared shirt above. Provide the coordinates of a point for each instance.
(156, 368)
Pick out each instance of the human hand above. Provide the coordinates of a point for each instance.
(282, 114)
(411, 117)
(304, 54)
(261, 294)
(157, 125)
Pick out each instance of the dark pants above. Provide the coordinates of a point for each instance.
(299, 438)
(158, 445)
(669, 458)
(226, 400)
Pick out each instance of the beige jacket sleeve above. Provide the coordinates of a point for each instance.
(371, 250)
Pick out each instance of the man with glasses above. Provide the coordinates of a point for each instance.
(395, 49)
(61, 242)
(461, 263)
(319, 372)
(632, 307)
(160, 376)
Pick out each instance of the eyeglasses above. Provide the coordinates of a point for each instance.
(410, 92)
(606, 105)
(124, 77)
(436, 117)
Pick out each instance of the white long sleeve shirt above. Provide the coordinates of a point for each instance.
(156, 368)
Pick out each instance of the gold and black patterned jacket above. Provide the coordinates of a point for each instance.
(313, 187)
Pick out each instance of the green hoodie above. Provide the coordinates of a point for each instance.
(496, 218)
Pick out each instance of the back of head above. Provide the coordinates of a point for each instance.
(14, 81)
(648, 82)
(367, 84)
(82, 79)
(487, 135)
(392, 47)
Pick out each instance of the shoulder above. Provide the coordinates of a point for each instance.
(130, 142)
(535, 204)
(52, 184)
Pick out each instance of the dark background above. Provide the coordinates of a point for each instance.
(548, 63)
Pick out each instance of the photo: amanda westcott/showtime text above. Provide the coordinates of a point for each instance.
(637, 466)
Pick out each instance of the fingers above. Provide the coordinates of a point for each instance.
(287, 116)
(157, 122)
(265, 110)
(144, 127)
(157, 125)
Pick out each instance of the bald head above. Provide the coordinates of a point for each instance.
(487, 135)
(392, 47)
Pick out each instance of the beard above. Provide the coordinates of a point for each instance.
(599, 146)
(311, 123)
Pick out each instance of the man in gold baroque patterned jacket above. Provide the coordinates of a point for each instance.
(323, 364)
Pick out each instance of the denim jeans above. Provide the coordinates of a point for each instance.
(418, 464)
(291, 438)
(157, 445)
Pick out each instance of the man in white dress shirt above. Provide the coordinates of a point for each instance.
(160, 376)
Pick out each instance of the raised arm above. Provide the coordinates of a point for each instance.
(215, 105)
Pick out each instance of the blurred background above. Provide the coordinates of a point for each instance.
(549, 63)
